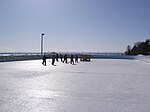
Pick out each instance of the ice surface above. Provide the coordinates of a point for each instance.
(97, 86)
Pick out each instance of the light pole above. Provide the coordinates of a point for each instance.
(42, 35)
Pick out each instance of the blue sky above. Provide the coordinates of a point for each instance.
(73, 25)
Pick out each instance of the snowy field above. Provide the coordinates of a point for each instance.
(103, 85)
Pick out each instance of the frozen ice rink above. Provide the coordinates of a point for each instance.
(102, 85)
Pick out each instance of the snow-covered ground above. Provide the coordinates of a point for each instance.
(144, 58)
(102, 85)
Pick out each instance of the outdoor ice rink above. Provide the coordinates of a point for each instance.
(102, 85)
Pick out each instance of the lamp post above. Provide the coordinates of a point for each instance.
(42, 35)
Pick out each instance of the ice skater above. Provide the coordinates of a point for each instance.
(72, 59)
(53, 60)
(44, 60)
(65, 58)
(76, 58)
(57, 56)
(61, 57)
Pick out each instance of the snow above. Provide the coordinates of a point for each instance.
(102, 85)
(144, 58)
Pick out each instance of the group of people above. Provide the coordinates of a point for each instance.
(63, 58)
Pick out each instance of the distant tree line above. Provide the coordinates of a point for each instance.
(139, 48)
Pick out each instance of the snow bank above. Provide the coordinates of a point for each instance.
(144, 58)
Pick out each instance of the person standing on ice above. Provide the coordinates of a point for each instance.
(65, 58)
(71, 59)
(76, 58)
(44, 60)
(53, 59)
(57, 56)
(61, 57)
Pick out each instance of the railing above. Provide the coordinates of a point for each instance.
(32, 56)
(19, 58)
